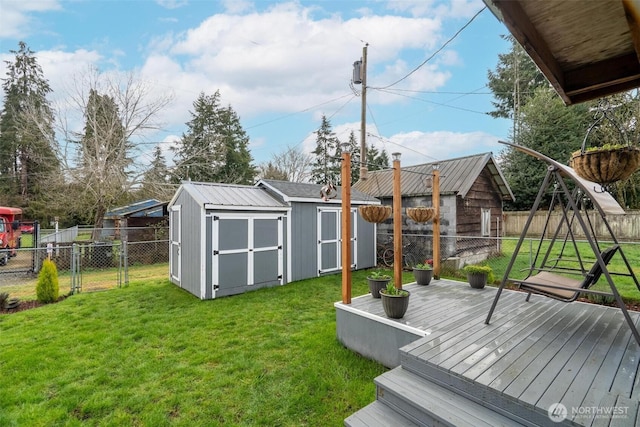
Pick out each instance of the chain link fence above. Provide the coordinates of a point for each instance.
(86, 265)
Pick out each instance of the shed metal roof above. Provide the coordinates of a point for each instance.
(586, 49)
(150, 207)
(305, 192)
(456, 177)
(230, 196)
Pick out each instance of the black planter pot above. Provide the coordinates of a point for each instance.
(477, 280)
(423, 277)
(395, 306)
(376, 285)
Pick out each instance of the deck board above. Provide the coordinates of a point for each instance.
(538, 352)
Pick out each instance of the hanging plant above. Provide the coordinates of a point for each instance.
(421, 214)
(606, 164)
(375, 213)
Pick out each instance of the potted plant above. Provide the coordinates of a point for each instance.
(377, 281)
(478, 275)
(423, 273)
(394, 301)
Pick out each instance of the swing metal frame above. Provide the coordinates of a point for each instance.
(542, 278)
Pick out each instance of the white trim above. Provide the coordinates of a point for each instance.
(337, 239)
(215, 261)
(203, 254)
(379, 319)
(212, 207)
(175, 211)
(250, 250)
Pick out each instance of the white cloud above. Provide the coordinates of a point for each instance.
(17, 17)
(172, 4)
(284, 60)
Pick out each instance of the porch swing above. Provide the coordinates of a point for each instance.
(565, 273)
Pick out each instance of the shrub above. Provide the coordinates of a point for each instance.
(47, 288)
(4, 299)
(480, 269)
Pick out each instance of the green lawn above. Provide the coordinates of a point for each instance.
(625, 285)
(151, 355)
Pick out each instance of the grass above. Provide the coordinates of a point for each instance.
(92, 280)
(153, 355)
(625, 285)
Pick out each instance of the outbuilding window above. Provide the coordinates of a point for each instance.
(486, 222)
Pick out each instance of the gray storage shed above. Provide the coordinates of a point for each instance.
(228, 239)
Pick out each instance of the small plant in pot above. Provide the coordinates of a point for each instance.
(423, 273)
(377, 281)
(478, 275)
(394, 301)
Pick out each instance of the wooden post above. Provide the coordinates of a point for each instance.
(397, 222)
(346, 227)
(435, 198)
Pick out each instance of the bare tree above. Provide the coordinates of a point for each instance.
(294, 163)
(101, 161)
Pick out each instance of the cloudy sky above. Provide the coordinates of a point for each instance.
(281, 65)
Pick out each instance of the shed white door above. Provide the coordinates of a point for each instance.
(174, 251)
(247, 252)
(330, 238)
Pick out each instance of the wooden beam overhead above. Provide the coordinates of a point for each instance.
(530, 39)
(586, 50)
(632, 13)
(608, 73)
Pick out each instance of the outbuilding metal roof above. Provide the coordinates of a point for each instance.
(150, 207)
(230, 196)
(304, 192)
(456, 177)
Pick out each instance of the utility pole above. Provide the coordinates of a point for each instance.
(360, 76)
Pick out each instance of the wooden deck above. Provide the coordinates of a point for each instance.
(533, 354)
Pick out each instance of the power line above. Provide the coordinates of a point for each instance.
(393, 92)
(436, 52)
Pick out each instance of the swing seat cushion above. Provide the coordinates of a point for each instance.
(542, 283)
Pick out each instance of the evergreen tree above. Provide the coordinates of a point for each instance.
(155, 183)
(325, 168)
(27, 139)
(376, 159)
(354, 148)
(103, 156)
(237, 167)
(551, 128)
(215, 147)
(513, 83)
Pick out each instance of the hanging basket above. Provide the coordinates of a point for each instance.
(375, 213)
(421, 214)
(606, 166)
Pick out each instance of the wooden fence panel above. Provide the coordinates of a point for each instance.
(625, 227)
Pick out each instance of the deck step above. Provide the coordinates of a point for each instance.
(427, 403)
(377, 414)
(473, 391)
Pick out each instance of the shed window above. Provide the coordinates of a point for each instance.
(486, 222)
